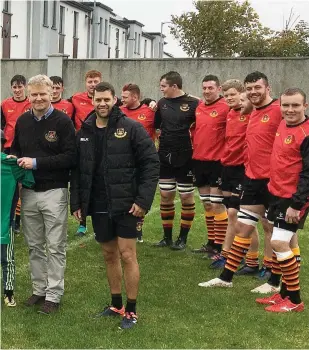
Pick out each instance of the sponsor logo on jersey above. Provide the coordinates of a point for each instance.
(139, 226)
(265, 118)
(213, 114)
(288, 140)
(277, 133)
(120, 133)
(84, 139)
(164, 107)
(141, 117)
(83, 103)
(10, 110)
(242, 118)
(51, 136)
(184, 107)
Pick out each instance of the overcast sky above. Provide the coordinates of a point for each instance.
(152, 12)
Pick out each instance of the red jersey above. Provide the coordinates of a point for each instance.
(235, 137)
(64, 106)
(209, 134)
(83, 106)
(288, 159)
(11, 111)
(144, 115)
(261, 132)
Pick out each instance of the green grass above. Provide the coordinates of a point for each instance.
(173, 311)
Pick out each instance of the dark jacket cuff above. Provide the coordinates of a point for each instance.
(296, 205)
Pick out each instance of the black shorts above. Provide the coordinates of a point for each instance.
(277, 210)
(207, 173)
(232, 179)
(106, 228)
(183, 174)
(255, 192)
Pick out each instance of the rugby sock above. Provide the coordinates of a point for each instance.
(187, 217)
(117, 301)
(267, 262)
(167, 216)
(17, 214)
(209, 218)
(220, 226)
(275, 276)
(296, 252)
(252, 259)
(131, 305)
(290, 272)
(238, 251)
(225, 253)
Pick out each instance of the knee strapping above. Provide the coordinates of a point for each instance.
(216, 199)
(280, 234)
(185, 188)
(248, 217)
(168, 186)
(283, 255)
(205, 198)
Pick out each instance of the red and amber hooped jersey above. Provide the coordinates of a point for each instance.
(260, 136)
(11, 111)
(144, 115)
(209, 133)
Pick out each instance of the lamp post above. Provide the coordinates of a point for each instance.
(161, 48)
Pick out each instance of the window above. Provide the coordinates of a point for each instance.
(117, 39)
(105, 31)
(62, 19)
(101, 31)
(145, 48)
(135, 42)
(45, 13)
(54, 22)
(75, 25)
(109, 35)
(139, 44)
(6, 6)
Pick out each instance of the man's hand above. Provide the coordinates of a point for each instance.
(11, 156)
(153, 106)
(292, 216)
(137, 211)
(25, 163)
(78, 215)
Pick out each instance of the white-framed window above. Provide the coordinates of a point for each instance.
(45, 13)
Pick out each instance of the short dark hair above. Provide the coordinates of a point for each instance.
(103, 86)
(294, 91)
(56, 80)
(255, 76)
(133, 88)
(173, 78)
(211, 77)
(19, 79)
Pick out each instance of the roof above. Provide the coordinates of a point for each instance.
(168, 54)
(118, 23)
(147, 35)
(78, 5)
(133, 22)
(99, 4)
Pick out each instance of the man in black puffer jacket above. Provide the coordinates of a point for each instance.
(115, 182)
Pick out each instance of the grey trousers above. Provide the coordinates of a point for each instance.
(44, 217)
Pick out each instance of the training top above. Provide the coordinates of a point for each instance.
(83, 106)
(64, 106)
(174, 116)
(144, 115)
(260, 136)
(11, 173)
(235, 137)
(11, 110)
(289, 164)
(209, 135)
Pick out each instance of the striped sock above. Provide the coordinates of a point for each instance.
(238, 251)
(187, 216)
(220, 226)
(267, 262)
(275, 276)
(290, 272)
(296, 252)
(225, 253)
(17, 210)
(209, 217)
(252, 259)
(167, 216)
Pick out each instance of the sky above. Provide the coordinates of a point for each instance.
(151, 13)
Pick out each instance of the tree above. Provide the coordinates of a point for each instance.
(230, 28)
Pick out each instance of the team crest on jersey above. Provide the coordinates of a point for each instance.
(213, 114)
(120, 133)
(139, 226)
(184, 107)
(141, 117)
(164, 107)
(265, 118)
(51, 136)
(242, 118)
(288, 140)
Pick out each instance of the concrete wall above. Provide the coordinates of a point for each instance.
(282, 72)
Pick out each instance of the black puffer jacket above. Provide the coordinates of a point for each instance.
(130, 163)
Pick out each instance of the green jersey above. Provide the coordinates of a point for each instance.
(11, 173)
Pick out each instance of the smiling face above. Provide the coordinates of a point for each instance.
(18, 90)
(246, 106)
(57, 92)
(40, 98)
(103, 102)
(257, 92)
(293, 108)
(211, 91)
(129, 99)
(232, 98)
(91, 83)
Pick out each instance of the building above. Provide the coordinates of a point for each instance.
(33, 29)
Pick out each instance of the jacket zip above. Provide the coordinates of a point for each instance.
(109, 204)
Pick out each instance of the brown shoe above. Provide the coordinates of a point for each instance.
(35, 300)
(48, 308)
